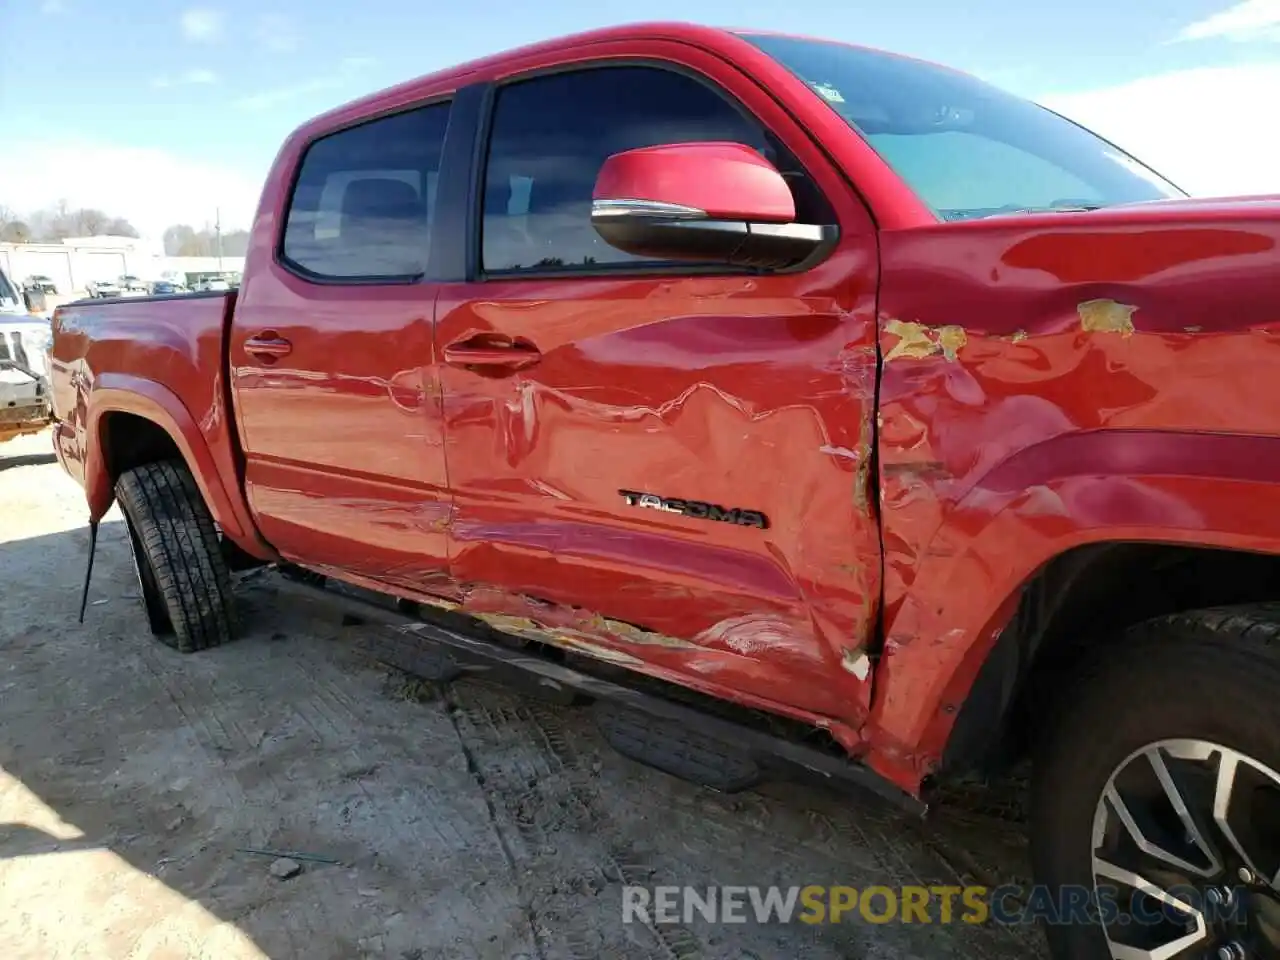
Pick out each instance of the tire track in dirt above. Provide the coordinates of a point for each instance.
(806, 829)
(500, 835)
(623, 860)
(416, 824)
(350, 725)
(340, 731)
(563, 854)
(213, 744)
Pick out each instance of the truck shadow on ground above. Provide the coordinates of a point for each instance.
(469, 821)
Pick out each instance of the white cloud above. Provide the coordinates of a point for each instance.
(196, 77)
(1209, 130)
(53, 7)
(1247, 20)
(153, 189)
(202, 24)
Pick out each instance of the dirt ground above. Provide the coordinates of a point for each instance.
(469, 822)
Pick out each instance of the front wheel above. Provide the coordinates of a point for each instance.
(1156, 796)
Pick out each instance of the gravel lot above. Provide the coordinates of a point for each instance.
(465, 822)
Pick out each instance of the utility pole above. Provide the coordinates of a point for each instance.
(217, 232)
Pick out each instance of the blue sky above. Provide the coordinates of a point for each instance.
(162, 109)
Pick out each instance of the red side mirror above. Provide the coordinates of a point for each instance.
(721, 181)
(709, 202)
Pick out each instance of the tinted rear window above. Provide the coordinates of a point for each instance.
(364, 199)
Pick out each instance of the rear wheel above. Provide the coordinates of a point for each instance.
(1156, 801)
(185, 583)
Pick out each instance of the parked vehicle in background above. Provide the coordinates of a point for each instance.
(818, 402)
(25, 399)
(175, 282)
(40, 284)
(165, 288)
(131, 286)
(102, 288)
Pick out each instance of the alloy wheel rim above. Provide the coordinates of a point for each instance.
(1186, 855)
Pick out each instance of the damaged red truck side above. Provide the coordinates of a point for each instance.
(817, 380)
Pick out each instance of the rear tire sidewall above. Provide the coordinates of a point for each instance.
(1146, 701)
(153, 603)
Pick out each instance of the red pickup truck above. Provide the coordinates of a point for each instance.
(830, 396)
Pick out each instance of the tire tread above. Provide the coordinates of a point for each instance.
(180, 542)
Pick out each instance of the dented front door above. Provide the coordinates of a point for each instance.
(669, 472)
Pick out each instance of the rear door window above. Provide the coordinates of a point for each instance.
(364, 200)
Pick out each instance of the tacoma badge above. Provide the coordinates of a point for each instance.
(698, 509)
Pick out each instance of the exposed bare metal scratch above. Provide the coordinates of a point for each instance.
(917, 341)
(862, 473)
(861, 481)
(1106, 316)
(913, 340)
(951, 339)
(633, 634)
(565, 639)
(502, 621)
(856, 662)
(839, 451)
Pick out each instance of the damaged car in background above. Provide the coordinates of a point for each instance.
(798, 406)
(25, 338)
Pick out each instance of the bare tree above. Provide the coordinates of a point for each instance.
(120, 227)
(15, 231)
(183, 240)
(89, 222)
(62, 221)
(176, 238)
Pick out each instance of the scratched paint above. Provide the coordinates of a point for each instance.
(607, 654)
(856, 662)
(656, 386)
(995, 462)
(917, 341)
(632, 634)
(1106, 316)
(742, 648)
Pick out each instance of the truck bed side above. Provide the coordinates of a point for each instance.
(135, 376)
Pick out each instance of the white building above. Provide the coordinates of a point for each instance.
(76, 261)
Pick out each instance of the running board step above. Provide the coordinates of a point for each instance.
(698, 746)
(676, 749)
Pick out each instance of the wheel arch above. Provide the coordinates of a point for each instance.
(1071, 609)
(1084, 519)
(132, 421)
